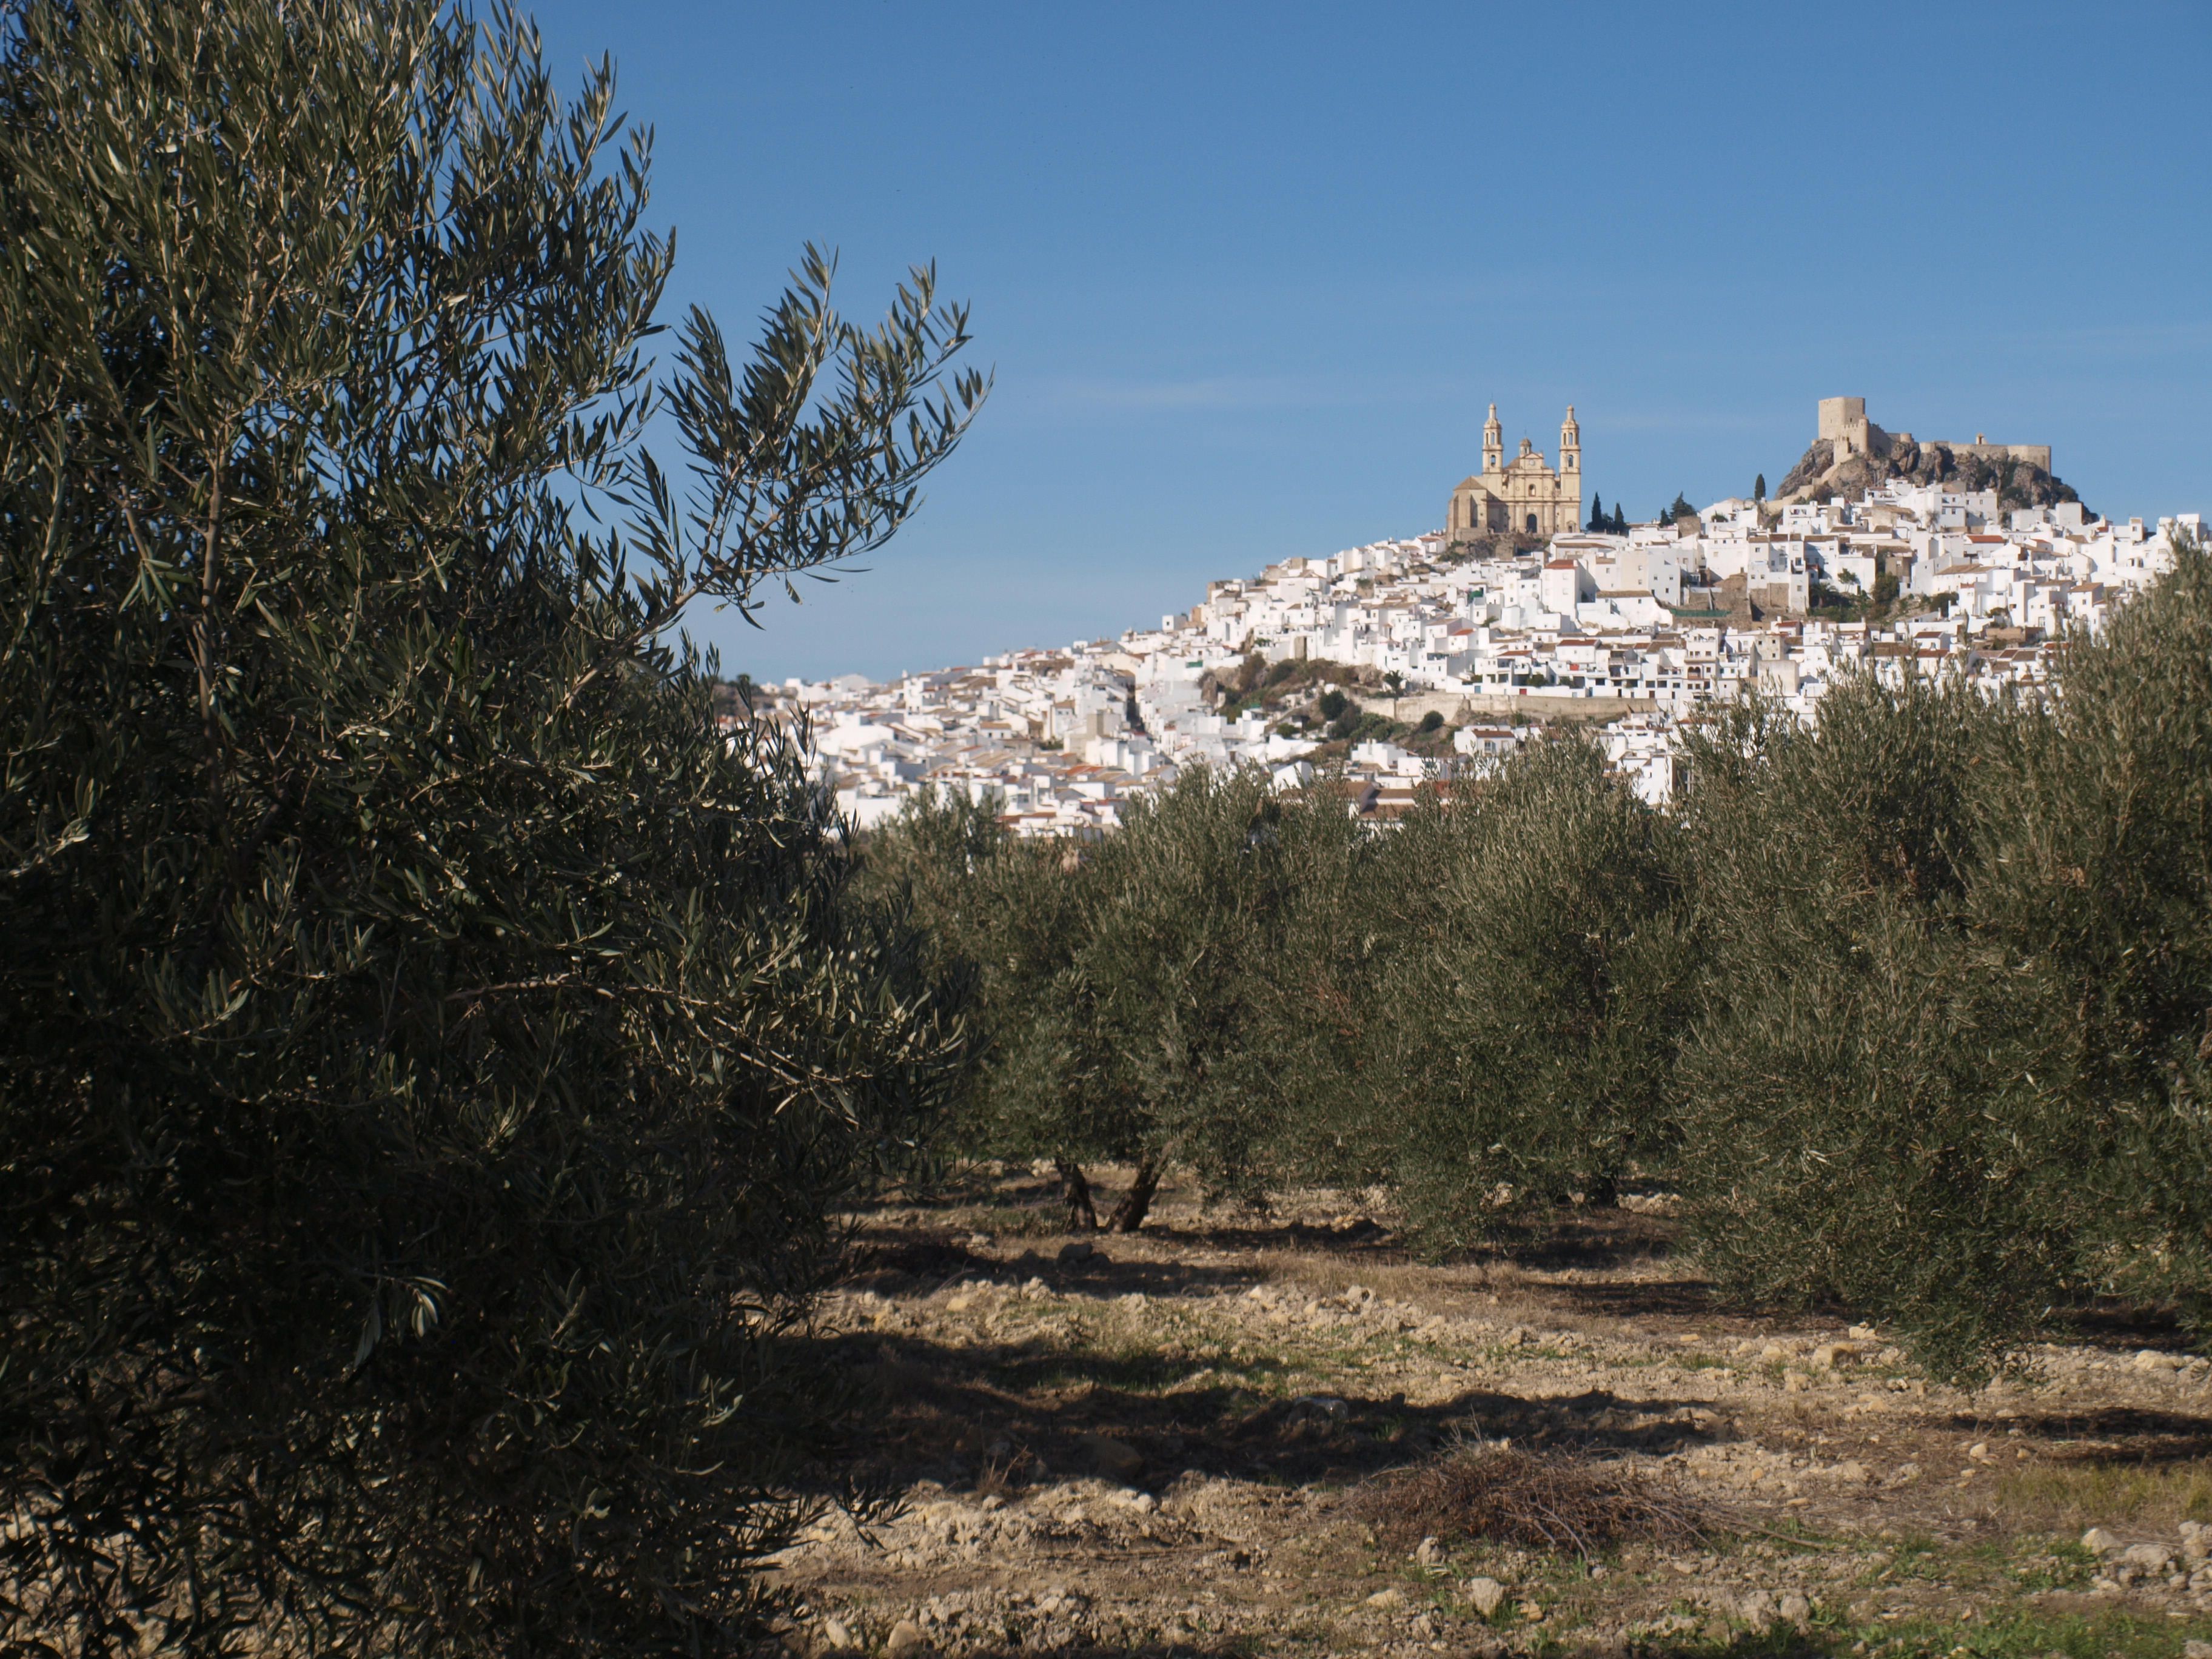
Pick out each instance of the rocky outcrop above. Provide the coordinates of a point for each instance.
(1817, 475)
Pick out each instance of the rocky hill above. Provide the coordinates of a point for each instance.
(1817, 475)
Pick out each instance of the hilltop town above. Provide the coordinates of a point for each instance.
(1409, 660)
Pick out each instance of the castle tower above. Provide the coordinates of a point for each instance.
(1570, 455)
(1493, 443)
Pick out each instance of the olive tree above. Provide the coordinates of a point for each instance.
(1839, 1142)
(1537, 975)
(430, 1053)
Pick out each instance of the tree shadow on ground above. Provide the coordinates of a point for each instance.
(2113, 1433)
(2119, 1327)
(909, 1263)
(1005, 1411)
(1779, 1645)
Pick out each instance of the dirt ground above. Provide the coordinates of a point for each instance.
(1178, 1443)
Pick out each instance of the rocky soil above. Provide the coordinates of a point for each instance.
(1171, 1444)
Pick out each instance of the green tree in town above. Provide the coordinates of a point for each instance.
(433, 1054)
(1759, 488)
(1598, 521)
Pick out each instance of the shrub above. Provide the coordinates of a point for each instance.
(431, 1052)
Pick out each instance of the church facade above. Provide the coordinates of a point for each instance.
(1524, 497)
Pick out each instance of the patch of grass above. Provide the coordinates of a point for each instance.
(1046, 1219)
(1792, 1536)
(2024, 1634)
(2068, 1497)
(2014, 1633)
(1914, 1557)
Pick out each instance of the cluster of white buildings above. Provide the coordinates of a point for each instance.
(1635, 631)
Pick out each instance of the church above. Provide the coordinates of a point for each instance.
(1526, 498)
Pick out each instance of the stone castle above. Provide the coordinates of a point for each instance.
(1526, 497)
(1844, 422)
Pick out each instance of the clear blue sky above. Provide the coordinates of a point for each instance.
(1249, 275)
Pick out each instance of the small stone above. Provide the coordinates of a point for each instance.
(1429, 1553)
(959, 1303)
(906, 1638)
(2149, 1360)
(1387, 1601)
(2098, 1542)
(2152, 1557)
(2196, 1650)
(1320, 1405)
(1863, 1333)
(1794, 1382)
(1829, 1355)
(1755, 1608)
(835, 1636)
(1853, 1472)
(1485, 1595)
(1794, 1609)
(1773, 1354)
(1077, 1251)
(979, 1241)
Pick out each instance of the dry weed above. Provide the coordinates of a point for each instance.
(1540, 1500)
(2065, 1496)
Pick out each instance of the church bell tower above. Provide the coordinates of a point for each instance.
(1570, 452)
(1493, 443)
